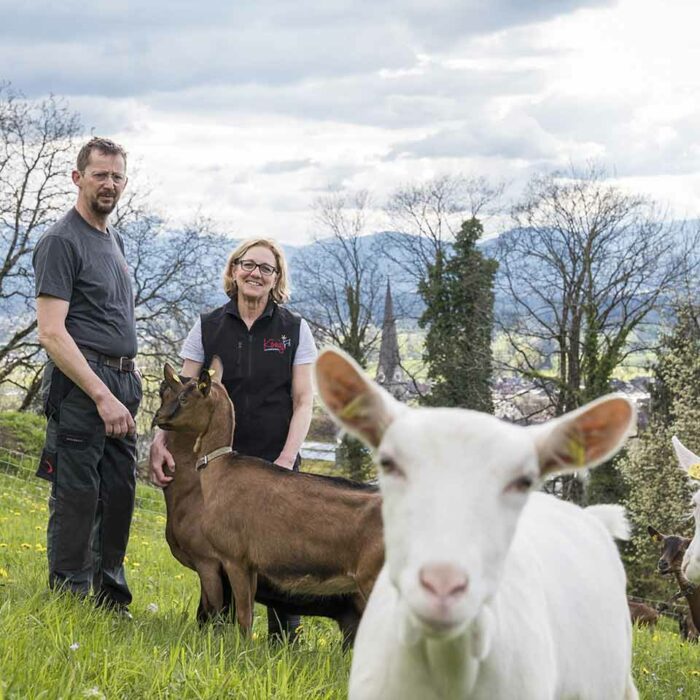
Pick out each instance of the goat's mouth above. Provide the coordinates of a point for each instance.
(439, 627)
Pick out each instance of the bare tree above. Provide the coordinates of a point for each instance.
(36, 144)
(580, 275)
(340, 286)
(175, 270)
(338, 278)
(426, 217)
(175, 274)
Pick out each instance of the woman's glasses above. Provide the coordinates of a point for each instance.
(249, 265)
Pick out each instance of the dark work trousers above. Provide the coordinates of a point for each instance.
(93, 487)
(279, 623)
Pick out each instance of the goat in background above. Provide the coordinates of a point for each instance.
(488, 590)
(689, 462)
(673, 549)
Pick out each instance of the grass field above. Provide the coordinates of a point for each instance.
(57, 647)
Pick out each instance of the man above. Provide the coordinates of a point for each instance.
(85, 317)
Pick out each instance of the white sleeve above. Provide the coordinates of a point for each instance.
(193, 348)
(306, 352)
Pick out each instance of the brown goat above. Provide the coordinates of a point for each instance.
(673, 549)
(183, 531)
(307, 535)
(642, 614)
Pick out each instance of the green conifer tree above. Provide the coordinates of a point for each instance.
(459, 299)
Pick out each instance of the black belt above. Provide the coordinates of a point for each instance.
(123, 364)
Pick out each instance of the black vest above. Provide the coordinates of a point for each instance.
(257, 373)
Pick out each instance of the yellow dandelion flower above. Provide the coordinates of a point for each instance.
(645, 670)
(3, 573)
(38, 527)
(3, 545)
(322, 642)
(655, 638)
(25, 545)
(136, 564)
(695, 673)
(255, 636)
(178, 577)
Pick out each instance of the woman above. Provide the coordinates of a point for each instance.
(267, 352)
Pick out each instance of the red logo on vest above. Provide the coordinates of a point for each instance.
(276, 345)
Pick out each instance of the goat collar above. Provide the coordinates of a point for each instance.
(203, 461)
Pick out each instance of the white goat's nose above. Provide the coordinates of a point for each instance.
(443, 580)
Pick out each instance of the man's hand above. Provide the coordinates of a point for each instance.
(116, 416)
(160, 457)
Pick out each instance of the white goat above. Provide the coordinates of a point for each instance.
(690, 464)
(488, 591)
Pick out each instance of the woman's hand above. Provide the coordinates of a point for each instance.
(284, 461)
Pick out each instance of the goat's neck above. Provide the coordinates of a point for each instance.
(693, 597)
(219, 431)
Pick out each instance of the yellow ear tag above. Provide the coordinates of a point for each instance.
(577, 451)
(694, 471)
(201, 386)
(353, 410)
(177, 379)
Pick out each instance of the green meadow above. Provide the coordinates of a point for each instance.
(58, 647)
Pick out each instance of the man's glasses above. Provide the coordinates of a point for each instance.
(101, 176)
(250, 265)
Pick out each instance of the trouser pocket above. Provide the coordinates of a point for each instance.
(48, 463)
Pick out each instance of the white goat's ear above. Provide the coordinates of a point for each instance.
(688, 461)
(355, 402)
(216, 368)
(586, 437)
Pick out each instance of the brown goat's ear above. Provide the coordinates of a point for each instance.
(655, 535)
(586, 437)
(204, 382)
(216, 369)
(353, 400)
(688, 461)
(171, 377)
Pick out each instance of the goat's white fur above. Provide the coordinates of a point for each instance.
(691, 559)
(487, 591)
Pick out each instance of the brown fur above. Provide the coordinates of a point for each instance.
(308, 535)
(642, 614)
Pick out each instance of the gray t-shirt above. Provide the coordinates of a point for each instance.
(76, 262)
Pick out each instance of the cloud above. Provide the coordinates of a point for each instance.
(285, 166)
(136, 48)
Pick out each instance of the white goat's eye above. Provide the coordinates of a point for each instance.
(390, 467)
(520, 485)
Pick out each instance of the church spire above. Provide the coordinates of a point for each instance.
(389, 373)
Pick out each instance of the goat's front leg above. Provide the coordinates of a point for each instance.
(212, 590)
(243, 580)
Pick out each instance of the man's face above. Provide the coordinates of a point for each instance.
(102, 182)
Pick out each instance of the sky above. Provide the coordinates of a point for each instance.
(246, 112)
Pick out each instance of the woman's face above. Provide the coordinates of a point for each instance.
(254, 285)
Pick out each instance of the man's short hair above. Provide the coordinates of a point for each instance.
(102, 145)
